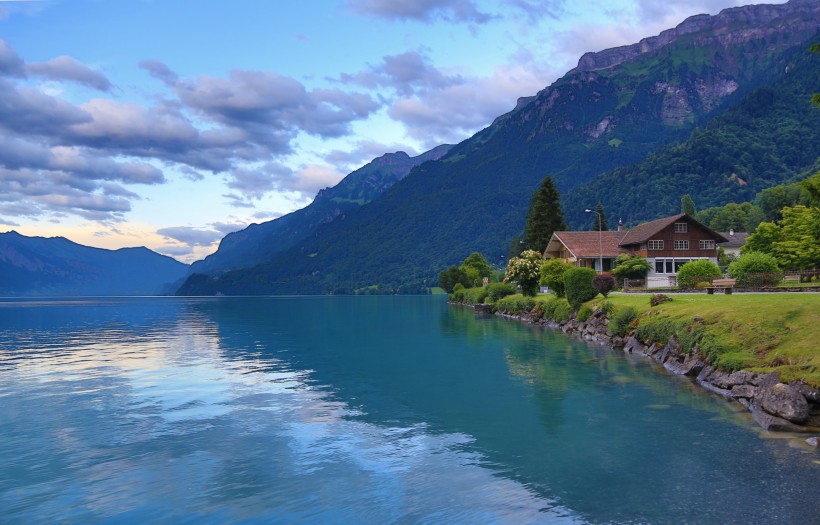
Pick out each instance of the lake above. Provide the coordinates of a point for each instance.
(362, 410)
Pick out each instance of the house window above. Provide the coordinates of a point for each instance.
(679, 263)
(659, 266)
(707, 245)
(681, 245)
(656, 245)
(681, 227)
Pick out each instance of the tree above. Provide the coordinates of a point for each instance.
(476, 267)
(630, 267)
(600, 217)
(552, 275)
(763, 238)
(516, 247)
(815, 99)
(799, 247)
(687, 206)
(525, 270)
(453, 275)
(544, 216)
(812, 186)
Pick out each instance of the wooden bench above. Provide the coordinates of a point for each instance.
(721, 284)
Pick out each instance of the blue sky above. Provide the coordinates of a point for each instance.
(170, 123)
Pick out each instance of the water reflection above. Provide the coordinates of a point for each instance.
(359, 410)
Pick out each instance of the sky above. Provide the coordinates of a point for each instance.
(171, 123)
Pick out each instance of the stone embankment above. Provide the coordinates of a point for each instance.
(774, 405)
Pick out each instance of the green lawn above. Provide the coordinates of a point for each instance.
(770, 332)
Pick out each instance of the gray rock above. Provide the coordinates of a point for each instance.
(785, 401)
(747, 391)
(705, 374)
(632, 345)
(717, 390)
(811, 394)
(813, 441)
(770, 422)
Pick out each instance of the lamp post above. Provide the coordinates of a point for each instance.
(600, 240)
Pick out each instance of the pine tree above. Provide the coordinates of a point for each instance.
(544, 217)
(600, 216)
(687, 206)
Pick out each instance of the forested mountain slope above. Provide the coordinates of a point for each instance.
(613, 110)
(260, 242)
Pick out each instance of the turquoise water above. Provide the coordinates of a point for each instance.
(362, 410)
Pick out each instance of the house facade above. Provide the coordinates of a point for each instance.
(667, 244)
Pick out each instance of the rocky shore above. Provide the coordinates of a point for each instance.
(774, 405)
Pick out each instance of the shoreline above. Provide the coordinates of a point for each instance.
(774, 406)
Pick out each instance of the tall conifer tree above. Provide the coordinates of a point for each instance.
(544, 217)
(600, 216)
(687, 206)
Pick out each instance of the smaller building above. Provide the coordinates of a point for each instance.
(667, 244)
(736, 241)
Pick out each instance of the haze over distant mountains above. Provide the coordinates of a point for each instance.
(717, 107)
(38, 266)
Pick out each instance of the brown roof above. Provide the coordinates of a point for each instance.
(642, 232)
(587, 244)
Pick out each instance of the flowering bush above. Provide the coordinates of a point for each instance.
(525, 270)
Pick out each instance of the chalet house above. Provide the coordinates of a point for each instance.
(667, 244)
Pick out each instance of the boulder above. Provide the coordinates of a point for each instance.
(784, 401)
(690, 366)
(671, 349)
(705, 374)
(814, 441)
(770, 422)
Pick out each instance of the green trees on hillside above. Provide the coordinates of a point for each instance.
(794, 241)
(544, 216)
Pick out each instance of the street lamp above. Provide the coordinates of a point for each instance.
(600, 241)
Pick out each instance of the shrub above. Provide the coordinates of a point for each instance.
(475, 295)
(603, 283)
(606, 307)
(525, 270)
(756, 269)
(622, 320)
(583, 313)
(562, 311)
(549, 307)
(659, 298)
(657, 329)
(496, 291)
(578, 286)
(515, 304)
(630, 267)
(696, 271)
(703, 284)
(552, 275)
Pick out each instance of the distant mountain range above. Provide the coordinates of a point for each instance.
(260, 242)
(717, 107)
(38, 266)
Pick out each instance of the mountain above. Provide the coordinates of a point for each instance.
(38, 266)
(770, 137)
(612, 111)
(260, 242)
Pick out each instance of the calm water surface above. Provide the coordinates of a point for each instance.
(362, 410)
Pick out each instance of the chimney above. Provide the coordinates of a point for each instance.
(731, 232)
(620, 225)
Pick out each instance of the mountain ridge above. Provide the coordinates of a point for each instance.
(585, 124)
(39, 266)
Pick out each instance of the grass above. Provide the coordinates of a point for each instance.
(759, 332)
